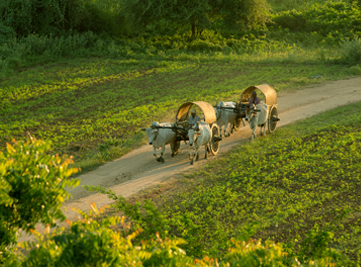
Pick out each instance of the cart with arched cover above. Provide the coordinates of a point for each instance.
(270, 95)
(182, 126)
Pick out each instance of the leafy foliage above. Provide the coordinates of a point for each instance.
(198, 14)
(146, 216)
(53, 17)
(335, 20)
(351, 51)
(32, 189)
(93, 241)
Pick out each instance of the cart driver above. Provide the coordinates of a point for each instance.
(254, 99)
(193, 118)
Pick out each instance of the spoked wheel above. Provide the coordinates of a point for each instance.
(273, 119)
(215, 140)
(175, 148)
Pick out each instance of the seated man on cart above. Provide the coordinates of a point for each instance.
(193, 118)
(254, 99)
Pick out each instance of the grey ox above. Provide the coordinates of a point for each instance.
(159, 137)
(225, 117)
(199, 135)
(257, 115)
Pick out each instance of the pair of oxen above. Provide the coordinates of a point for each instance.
(201, 135)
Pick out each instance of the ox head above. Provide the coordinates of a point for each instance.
(251, 111)
(152, 132)
(193, 133)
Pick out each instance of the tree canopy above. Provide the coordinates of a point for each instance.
(199, 14)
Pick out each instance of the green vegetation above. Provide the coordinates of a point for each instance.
(32, 190)
(298, 186)
(199, 15)
(95, 242)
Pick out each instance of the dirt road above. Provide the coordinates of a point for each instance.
(138, 169)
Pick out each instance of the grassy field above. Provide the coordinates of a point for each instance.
(305, 177)
(94, 108)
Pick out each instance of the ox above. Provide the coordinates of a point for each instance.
(199, 135)
(227, 116)
(159, 137)
(257, 115)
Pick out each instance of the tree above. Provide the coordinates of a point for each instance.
(199, 14)
(32, 189)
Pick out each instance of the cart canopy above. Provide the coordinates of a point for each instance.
(267, 90)
(208, 111)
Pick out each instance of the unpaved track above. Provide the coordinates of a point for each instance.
(138, 169)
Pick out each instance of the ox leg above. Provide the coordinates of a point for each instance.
(206, 149)
(161, 159)
(155, 153)
(171, 148)
(193, 155)
(225, 130)
(254, 135)
(191, 158)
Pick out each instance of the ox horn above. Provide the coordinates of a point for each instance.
(143, 129)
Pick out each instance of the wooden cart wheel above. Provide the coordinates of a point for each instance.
(273, 119)
(215, 140)
(175, 148)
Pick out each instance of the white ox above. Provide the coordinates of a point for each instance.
(159, 137)
(199, 135)
(257, 115)
(225, 117)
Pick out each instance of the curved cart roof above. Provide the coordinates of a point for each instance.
(208, 111)
(267, 90)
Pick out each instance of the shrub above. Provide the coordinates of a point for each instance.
(338, 20)
(94, 242)
(351, 51)
(32, 189)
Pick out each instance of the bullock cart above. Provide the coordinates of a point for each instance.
(181, 126)
(271, 102)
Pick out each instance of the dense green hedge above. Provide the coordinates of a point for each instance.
(334, 20)
(22, 17)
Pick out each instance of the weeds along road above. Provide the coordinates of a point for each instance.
(138, 170)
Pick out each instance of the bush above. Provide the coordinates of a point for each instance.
(338, 20)
(93, 241)
(32, 189)
(46, 17)
(351, 51)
